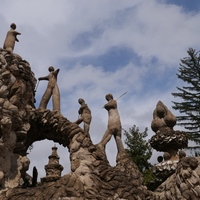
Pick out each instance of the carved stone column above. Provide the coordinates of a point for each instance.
(53, 168)
(167, 140)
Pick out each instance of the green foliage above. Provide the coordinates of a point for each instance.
(141, 151)
(150, 179)
(138, 148)
(189, 107)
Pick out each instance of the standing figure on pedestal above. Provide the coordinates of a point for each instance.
(114, 124)
(85, 115)
(52, 90)
(11, 37)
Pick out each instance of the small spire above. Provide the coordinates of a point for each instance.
(53, 168)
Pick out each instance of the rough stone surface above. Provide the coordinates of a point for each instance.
(184, 183)
(166, 140)
(91, 176)
(17, 83)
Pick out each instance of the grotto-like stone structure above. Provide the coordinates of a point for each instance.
(22, 124)
(91, 176)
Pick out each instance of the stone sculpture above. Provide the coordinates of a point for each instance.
(11, 37)
(91, 175)
(85, 115)
(53, 168)
(52, 90)
(114, 124)
(166, 140)
(162, 118)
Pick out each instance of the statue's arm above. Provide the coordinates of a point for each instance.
(80, 111)
(56, 72)
(16, 33)
(43, 78)
(82, 108)
(111, 104)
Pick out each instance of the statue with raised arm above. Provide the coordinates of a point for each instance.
(85, 115)
(52, 90)
(114, 124)
(11, 37)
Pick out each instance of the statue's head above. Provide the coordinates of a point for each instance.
(13, 26)
(109, 97)
(81, 101)
(51, 68)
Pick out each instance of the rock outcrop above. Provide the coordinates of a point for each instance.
(17, 83)
(22, 124)
(184, 184)
(91, 175)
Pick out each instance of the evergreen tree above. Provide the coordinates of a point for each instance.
(138, 148)
(140, 151)
(189, 107)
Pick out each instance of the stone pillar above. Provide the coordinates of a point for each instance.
(166, 140)
(53, 168)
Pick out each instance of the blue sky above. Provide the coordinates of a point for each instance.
(188, 6)
(101, 47)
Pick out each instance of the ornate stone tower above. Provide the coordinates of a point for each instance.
(166, 140)
(53, 168)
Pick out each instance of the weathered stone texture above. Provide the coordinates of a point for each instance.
(166, 140)
(184, 184)
(91, 175)
(17, 83)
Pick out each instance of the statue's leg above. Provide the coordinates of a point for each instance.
(45, 99)
(106, 138)
(120, 146)
(79, 120)
(56, 99)
(86, 128)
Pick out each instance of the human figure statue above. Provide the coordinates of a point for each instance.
(52, 89)
(114, 124)
(85, 115)
(162, 118)
(11, 37)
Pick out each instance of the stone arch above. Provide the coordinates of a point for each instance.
(39, 157)
(51, 126)
(55, 127)
(91, 175)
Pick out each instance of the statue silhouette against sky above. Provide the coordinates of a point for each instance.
(11, 37)
(52, 90)
(85, 115)
(114, 124)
